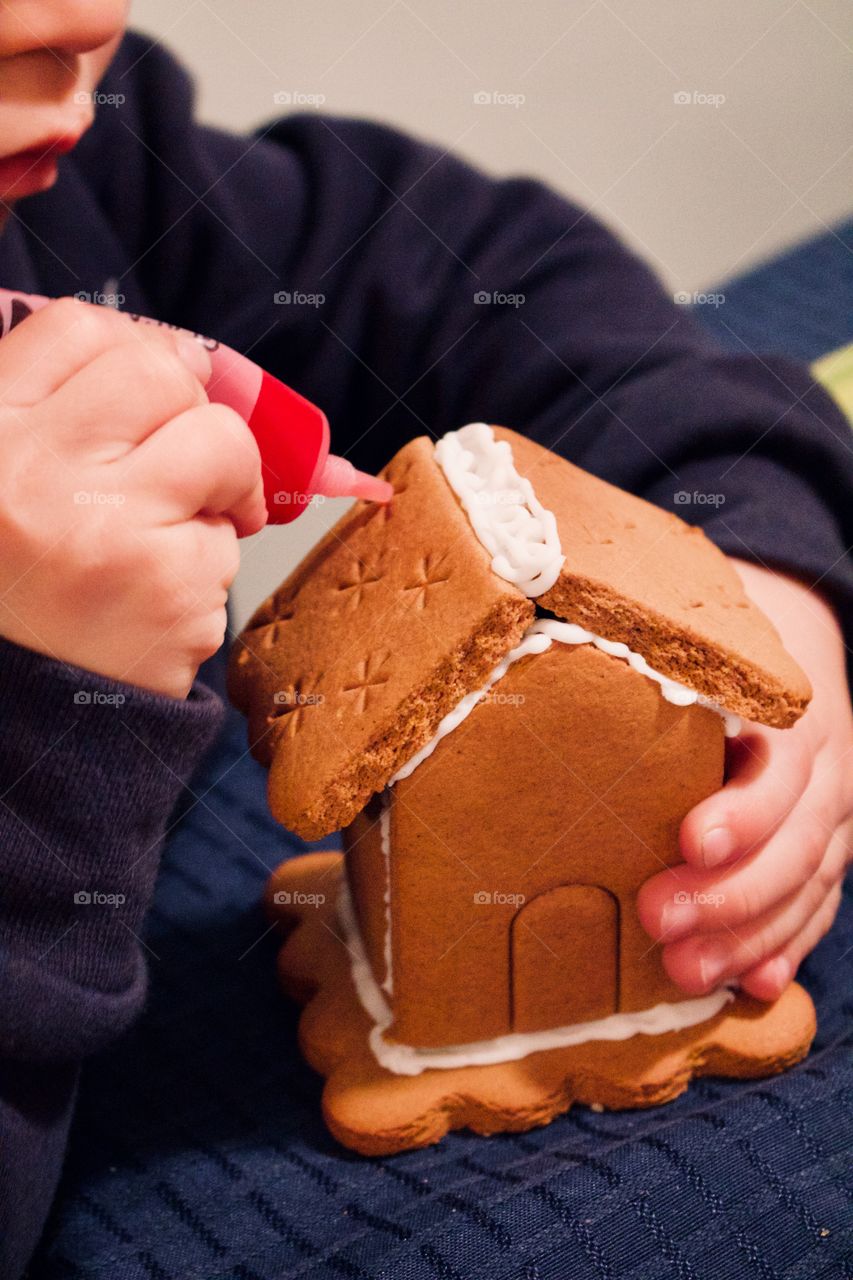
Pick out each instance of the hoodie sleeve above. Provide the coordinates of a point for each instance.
(90, 770)
(408, 293)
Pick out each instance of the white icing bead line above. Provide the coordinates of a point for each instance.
(678, 694)
(529, 643)
(407, 1060)
(509, 520)
(385, 841)
(539, 636)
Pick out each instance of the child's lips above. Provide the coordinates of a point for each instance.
(34, 169)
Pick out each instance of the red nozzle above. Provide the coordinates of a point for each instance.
(339, 478)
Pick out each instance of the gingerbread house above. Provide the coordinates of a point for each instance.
(508, 688)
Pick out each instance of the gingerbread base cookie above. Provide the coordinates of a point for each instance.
(377, 1111)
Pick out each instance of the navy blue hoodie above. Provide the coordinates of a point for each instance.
(446, 297)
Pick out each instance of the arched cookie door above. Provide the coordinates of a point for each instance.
(564, 949)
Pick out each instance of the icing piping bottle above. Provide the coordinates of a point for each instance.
(291, 432)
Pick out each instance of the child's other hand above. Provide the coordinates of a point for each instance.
(124, 495)
(765, 856)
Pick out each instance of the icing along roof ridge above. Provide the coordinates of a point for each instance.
(630, 571)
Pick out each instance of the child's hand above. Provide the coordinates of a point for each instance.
(124, 494)
(770, 849)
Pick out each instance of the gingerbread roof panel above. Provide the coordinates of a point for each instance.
(640, 575)
(349, 667)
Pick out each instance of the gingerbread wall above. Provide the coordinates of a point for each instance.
(518, 848)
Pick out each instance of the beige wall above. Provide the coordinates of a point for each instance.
(758, 157)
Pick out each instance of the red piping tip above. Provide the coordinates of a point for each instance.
(339, 479)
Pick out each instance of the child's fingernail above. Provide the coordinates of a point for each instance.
(712, 964)
(779, 972)
(718, 844)
(194, 356)
(678, 917)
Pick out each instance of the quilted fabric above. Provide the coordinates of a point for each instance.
(797, 305)
(199, 1152)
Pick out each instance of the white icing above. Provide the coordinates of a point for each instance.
(385, 841)
(679, 694)
(530, 643)
(505, 514)
(408, 1060)
(539, 637)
